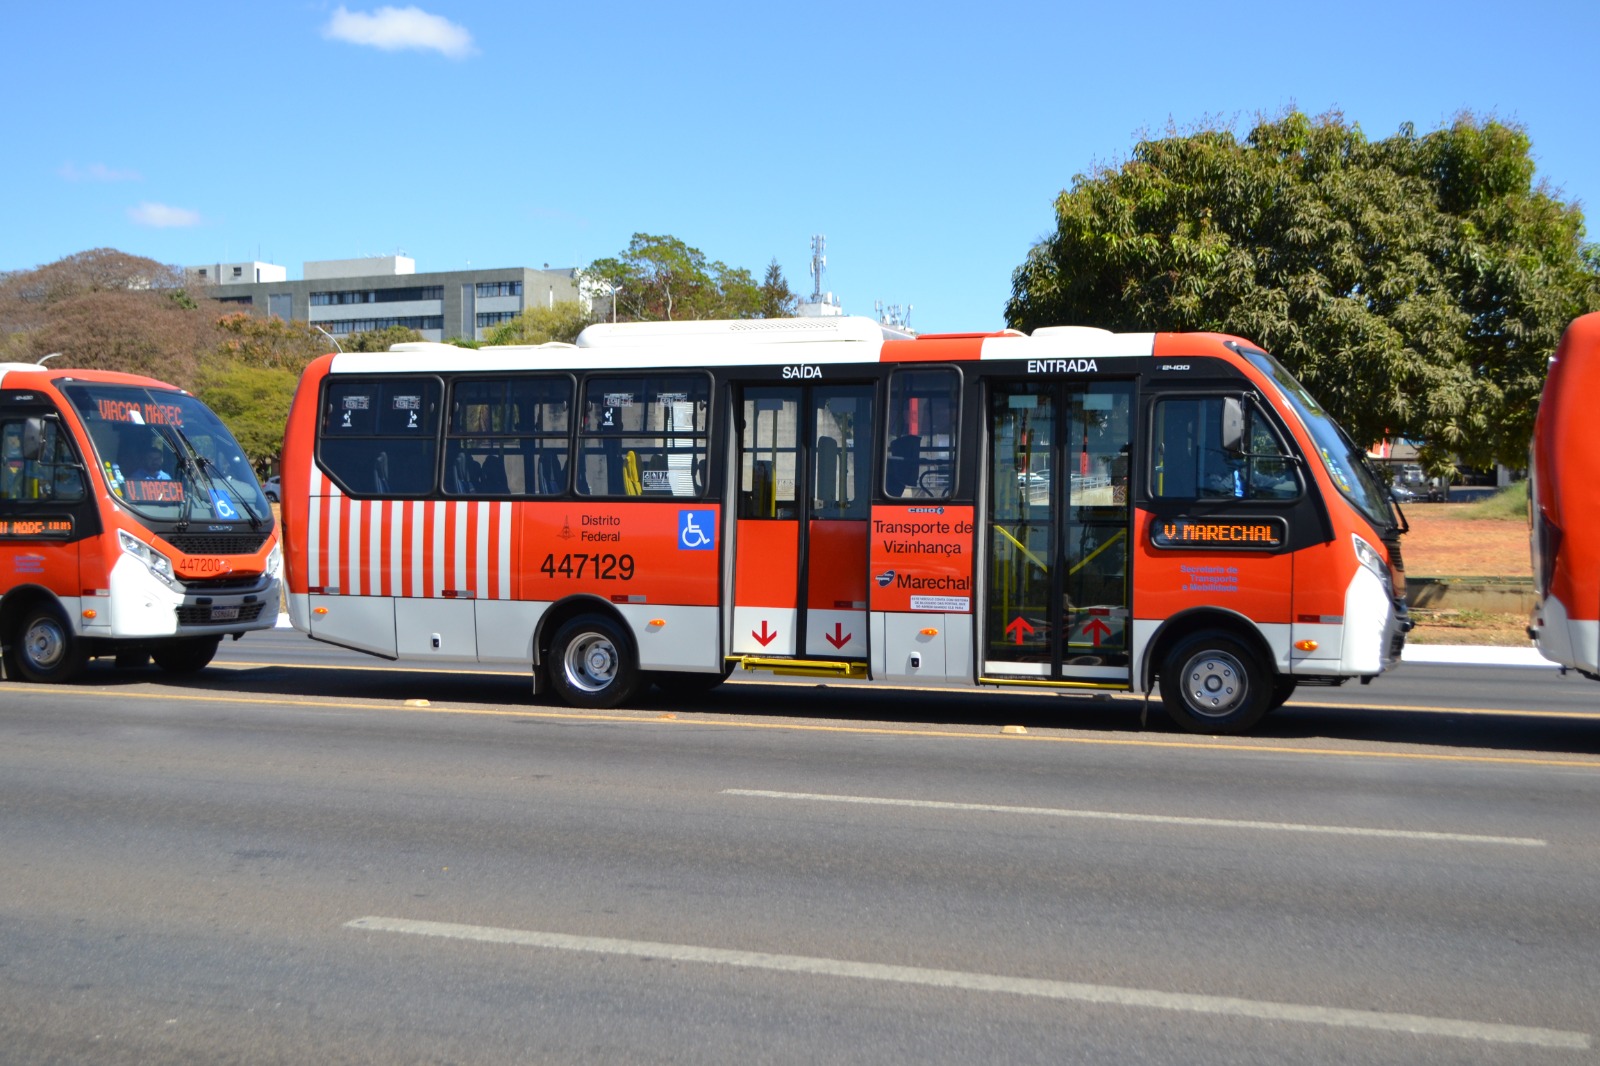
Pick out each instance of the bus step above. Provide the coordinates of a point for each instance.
(801, 667)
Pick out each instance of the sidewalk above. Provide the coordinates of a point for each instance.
(1454, 654)
(1474, 655)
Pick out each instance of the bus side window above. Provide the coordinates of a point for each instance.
(1188, 462)
(381, 437)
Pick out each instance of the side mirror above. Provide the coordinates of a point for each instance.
(33, 439)
(1232, 426)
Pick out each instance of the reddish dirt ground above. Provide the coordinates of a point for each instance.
(1443, 544)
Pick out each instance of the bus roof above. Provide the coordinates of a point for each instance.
(746, 342)
(54, 376)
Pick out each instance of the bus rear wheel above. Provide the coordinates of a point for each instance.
(47, 651)
(1214, 684)
(591, 664)
(186, 656)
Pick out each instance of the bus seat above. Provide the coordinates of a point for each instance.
(552, 475)
(492, 475)
(462, 479)
(632, 485)
(900, 472)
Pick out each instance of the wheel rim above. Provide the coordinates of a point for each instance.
(45, 644)
(1214, 684)
(591, 662)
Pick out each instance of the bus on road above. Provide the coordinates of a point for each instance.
(1074, 510)
(130, 525)
(1563, 502)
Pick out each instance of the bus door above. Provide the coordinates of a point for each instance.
(800, 542)
(1057, 584)
(46, 511)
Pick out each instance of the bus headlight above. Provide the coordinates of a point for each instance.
(1368, 557)
(154, 561)
(275, 563)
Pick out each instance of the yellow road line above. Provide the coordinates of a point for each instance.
(1219, 745)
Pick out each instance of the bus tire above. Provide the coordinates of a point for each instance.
(1211, 683)
(47, 651)
(1282, 689)
(186, 656)
(591, 664)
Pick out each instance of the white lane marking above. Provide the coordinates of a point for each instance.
(1418, 1024)
(1156, 819)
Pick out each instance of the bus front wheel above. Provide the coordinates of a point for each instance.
(187, 656)
(1213, 684)
(46, 651)
(591, 665)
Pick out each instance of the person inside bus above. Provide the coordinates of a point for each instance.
(149, 466)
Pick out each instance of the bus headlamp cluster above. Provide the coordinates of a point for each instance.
(1368, 557)
(154, 561)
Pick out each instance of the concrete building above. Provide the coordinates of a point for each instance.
(345, 296)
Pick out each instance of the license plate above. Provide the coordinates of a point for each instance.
(224, 614)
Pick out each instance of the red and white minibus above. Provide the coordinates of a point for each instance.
(130, 525)
(1564, 501)
(666, 502)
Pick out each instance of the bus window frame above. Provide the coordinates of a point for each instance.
(447, 413)
(335, 380)
(958, 432)
(577, 480)
(1252, 402)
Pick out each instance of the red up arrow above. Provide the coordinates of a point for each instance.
(1097, 629)
(1021, 626)
(764, 637)
(838, 638)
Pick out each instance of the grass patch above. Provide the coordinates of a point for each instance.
(1510, 503)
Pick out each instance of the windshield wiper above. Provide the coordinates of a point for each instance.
(200, 463)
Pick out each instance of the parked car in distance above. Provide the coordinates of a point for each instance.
(271, 489)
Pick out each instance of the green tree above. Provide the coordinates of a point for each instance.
(777, 299)
(561, 321)
(253, 401)
(1417, 284)
(379, 340)
(664, 279)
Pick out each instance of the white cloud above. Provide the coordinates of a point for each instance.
(163, 217)
(396, 28)
(96, 172)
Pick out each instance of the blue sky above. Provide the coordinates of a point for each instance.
(927, 140)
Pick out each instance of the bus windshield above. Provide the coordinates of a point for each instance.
(167, 457)
(1345, 462)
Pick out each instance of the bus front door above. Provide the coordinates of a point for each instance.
(800, 542)
(1057, 584)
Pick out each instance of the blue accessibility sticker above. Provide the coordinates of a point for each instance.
(697, 531)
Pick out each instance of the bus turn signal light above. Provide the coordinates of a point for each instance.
(319, 610)
(930, 632)
(658, 621)
(89, 613)
(1306, 645)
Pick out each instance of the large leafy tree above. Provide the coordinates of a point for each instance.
(561, 321)
(661, 278)
(1417, 284)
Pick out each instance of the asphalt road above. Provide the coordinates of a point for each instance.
(280, 861)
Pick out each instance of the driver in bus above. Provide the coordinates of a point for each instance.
(149, 466)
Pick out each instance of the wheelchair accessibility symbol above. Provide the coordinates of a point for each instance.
(221, 506)
(697, 531)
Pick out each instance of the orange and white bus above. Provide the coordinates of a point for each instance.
(130, 525)
(666, 502)
(1564, 501)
